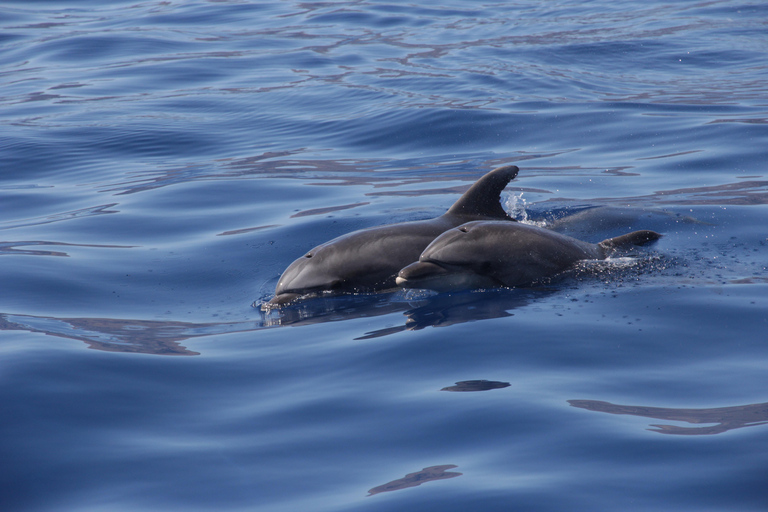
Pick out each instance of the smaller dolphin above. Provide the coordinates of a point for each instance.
(488, 254)
(368, 260)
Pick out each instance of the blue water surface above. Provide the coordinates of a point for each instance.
(162, 162)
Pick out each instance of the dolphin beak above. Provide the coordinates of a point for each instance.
(410, 276)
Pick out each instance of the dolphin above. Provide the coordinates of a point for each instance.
(489, 254)
(368, 260)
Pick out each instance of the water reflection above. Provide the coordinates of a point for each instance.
(723, 418)
(451, 309)
(163, 337)
(456, 308)
(112, 335)
(15, 247)
(749, 193)
(420, 477)
(374, 173)
(420, 309)
(104, 209)
(430, 311)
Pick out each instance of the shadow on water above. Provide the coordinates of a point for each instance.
(723, 418)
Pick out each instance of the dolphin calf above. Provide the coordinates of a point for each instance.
(368, 260)
(488, 254)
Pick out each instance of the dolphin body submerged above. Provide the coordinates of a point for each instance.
(368, 260)
(487, 254)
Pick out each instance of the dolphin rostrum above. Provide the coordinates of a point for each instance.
(368, 260)
(489, 254)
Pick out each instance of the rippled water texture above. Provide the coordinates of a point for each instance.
(161, 163)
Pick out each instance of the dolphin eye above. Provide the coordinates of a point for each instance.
(309, 255)
(463, 229)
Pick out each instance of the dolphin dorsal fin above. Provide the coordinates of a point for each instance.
(484, 197)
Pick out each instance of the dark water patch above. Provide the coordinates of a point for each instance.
(476, 385)
(429, 474)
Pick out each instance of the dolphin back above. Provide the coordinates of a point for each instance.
(483, 198)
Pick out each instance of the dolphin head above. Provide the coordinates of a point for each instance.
(308, 275)
(460, 258)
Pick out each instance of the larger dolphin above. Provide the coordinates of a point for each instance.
(368, 260)
(501, 254)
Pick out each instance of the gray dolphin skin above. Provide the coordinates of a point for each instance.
(489, 254)
(368, 260)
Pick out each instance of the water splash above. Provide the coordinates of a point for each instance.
(514, 205)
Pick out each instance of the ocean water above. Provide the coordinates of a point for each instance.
(162, 162)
